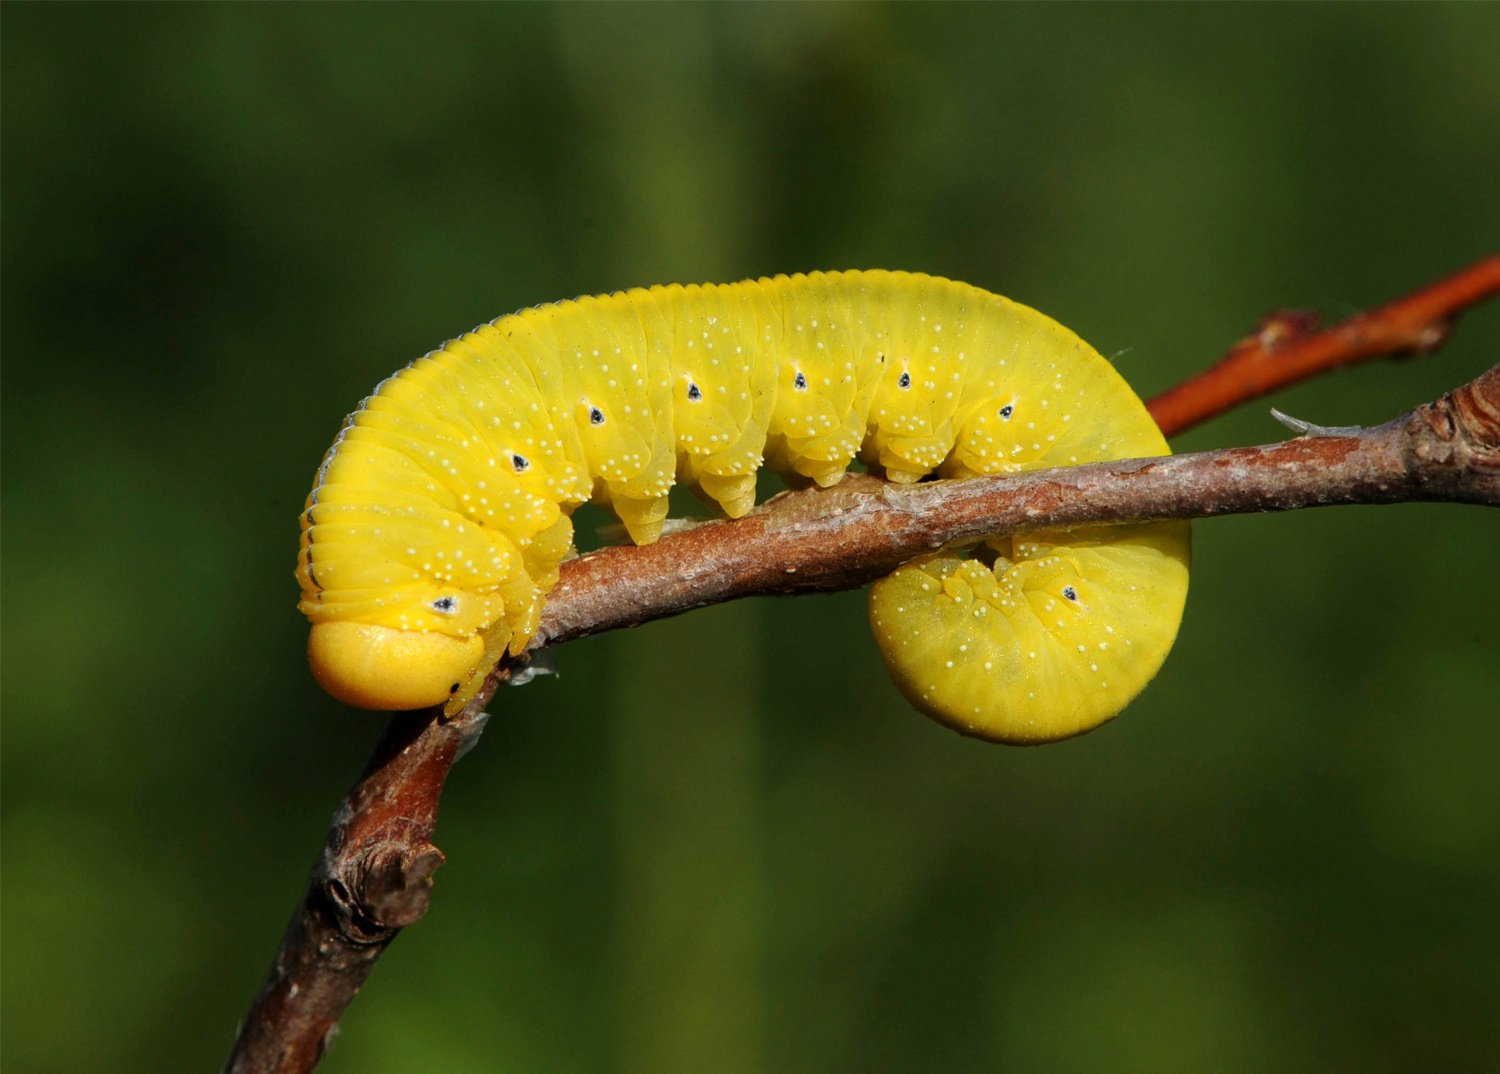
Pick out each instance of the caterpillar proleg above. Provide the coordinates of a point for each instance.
(439, 516)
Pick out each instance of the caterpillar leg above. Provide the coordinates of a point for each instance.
(523, 601)
(496, 640)
(735, 493)
(643, 518)
(1059, 635)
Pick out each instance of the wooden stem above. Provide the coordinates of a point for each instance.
(1285, 348)
(375, 873)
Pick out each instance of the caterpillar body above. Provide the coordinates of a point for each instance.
(440, 515)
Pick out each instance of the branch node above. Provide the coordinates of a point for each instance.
(1282, 328)
(1476, 412)
(1429, 338)
(1455, 441)
(396, 888)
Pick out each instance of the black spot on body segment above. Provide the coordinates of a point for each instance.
(694, 393)
(520, 463)
(1070, 593)
(799, 382)
(596, 416)
(904, 382)
(454, 688)
(1006, 411)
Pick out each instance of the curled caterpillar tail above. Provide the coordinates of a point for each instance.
(1039, 638)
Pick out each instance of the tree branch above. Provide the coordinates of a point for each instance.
(375, 874)
(863, 527)
(1285, 348)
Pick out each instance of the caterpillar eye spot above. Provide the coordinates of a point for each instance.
(1006, 411)
(799, 382)
(905, 381)
(694, 392)
(1070, 593)
(453, 689)
(520, 463)
(596, 416)
(446, 605)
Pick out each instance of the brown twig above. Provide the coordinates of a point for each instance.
(375, 873)
(371, 881)
(1285, 348)
(862, 528)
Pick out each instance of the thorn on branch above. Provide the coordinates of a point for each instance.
(1307, 428)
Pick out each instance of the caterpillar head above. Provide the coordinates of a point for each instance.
(376, 667)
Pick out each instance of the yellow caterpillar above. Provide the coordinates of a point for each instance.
(439, 516)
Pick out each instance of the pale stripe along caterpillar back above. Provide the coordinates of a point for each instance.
(440, 515)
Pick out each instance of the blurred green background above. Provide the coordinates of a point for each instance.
(723, 842)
